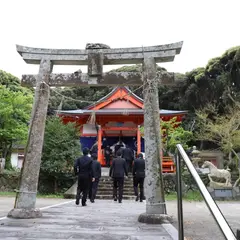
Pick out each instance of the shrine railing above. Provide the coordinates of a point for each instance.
(168, 165)
(215, 211)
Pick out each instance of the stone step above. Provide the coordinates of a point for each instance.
(101, 196)
(111, 185)
(106, 188)
(110, 180)
(111, 197)
(111, 189)
(111, 193)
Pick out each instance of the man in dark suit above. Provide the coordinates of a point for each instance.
(138, 176)
(96, 173)
(117, 147)
(83, 168)
(127, 154)
(117, 170)
(94, 148)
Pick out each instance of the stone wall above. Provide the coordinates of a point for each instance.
(9, 181)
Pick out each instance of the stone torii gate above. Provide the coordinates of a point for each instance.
(95, 56)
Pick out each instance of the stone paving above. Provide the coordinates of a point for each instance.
(105, 219)
(7, 203)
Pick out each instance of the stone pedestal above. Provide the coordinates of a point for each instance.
(225, 193)
(71, 192)
(155, 218)
(25, 213)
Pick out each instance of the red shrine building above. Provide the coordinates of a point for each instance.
(117, 116)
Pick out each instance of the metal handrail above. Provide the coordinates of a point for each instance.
(214, 209)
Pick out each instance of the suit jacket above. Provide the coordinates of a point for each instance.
(117, 147)
(118, 168)
(96, 169)
(139, 168)
(127, 154)
(83, 167)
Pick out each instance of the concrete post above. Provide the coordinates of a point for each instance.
(26, 195)
(154, 191)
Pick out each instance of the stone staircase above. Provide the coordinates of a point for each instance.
(105, 188)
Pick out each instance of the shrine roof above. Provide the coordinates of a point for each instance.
(162, 112)
(112, 93)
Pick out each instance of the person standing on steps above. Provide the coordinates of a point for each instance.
(117, 171)
(138, 176)
(127, 154)
(83, 168)
(96, 173)
(108, 154)
(94, 148)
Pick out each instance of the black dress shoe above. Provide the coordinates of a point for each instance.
(77, 202)
(92, 201)
(84, 204)
(141, 200)
(115, 199)
(136, 198)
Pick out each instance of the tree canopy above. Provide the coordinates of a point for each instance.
(61, 147)
(15, 109)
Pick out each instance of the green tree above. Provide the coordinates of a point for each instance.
(61, 147)
(15, 109)
(173, 133)
(224, 130)
(75, 98)
(9, 81)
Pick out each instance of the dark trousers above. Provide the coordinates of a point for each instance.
(83, 187)
(118, 185)
(93, 189)
(129, 165)
(138, 181)
(108, 159)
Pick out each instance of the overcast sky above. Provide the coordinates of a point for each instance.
(207, 27)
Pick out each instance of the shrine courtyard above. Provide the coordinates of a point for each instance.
(109, 220)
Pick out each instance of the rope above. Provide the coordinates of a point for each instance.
(93, 102)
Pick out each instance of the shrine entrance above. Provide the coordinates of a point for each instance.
(117, 116)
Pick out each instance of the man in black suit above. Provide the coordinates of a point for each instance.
(117, 147)
(96, 173)
(127, 154)
(138, 176)
(83, 168)
(117, 170)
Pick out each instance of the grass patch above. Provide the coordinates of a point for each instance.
(50, 195)
(39, 195)
(7, 194)
(189, 196)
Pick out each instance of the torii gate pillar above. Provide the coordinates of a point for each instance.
(26, 195)
(154, 190)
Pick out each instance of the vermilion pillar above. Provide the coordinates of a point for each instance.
(100, 157)
(138, 140)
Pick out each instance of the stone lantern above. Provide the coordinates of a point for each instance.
(195, 157)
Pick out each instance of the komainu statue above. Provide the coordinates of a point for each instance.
(218, 173)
